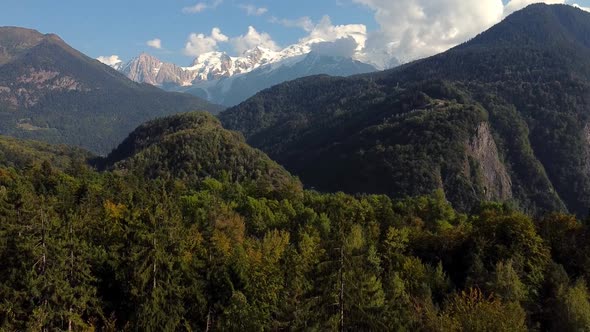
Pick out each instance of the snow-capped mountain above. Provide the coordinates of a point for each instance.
(232, 90)
(228, 80)
(215, 65)
(206, 67)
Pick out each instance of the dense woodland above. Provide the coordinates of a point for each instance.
(115, 251)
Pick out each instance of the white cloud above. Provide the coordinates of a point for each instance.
(304, 23)
(201, 6)
(198, 44)
(323, 37)
(218, 36)
(415, 28)
(155, 43)
(411, 29)
(252, 10)
(252, 39)
(110, 60)
(325, 31)
(343, 47)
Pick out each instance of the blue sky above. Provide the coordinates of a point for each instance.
(123, 27)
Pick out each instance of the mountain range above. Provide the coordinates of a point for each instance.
(505, 117)
(206, 67)
(50, 91)
(220, 78)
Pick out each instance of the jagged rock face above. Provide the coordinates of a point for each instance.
(172, 74)
(148, 69)
(144, 68)
(214, 68)
(493, 175)
(207, 67)
(32, 83)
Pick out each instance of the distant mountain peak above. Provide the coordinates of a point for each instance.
(212, 66)
(52, 92)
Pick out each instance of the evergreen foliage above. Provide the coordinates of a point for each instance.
(116, 250)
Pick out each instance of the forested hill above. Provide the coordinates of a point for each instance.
(194, 146)
(504, 116)
(21, 154)
(173, 249)
(51, 92)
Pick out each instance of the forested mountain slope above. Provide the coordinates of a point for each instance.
(156, 245)
(22, 154)
(51, 92)
(194, 146)
(504, 116)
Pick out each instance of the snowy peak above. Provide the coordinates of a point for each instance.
(206, 67)
(211, 66)
(233, 90)
(214, 66)
(228, 80)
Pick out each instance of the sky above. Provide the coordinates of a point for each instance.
(179, 30)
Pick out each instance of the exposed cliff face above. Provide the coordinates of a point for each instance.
(33, 84)
(148, 69)
(492, 173)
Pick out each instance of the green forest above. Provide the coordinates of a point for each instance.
(113, 251)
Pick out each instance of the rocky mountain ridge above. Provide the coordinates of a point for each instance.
(209, 66)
